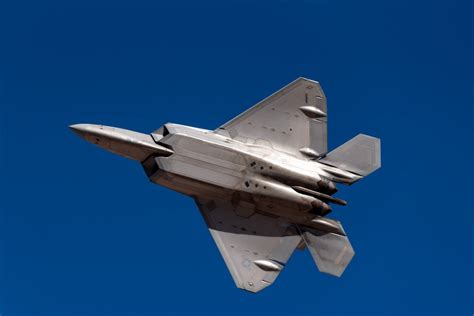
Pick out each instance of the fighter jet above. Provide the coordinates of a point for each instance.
(264, 181)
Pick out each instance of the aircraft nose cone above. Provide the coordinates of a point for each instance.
(130, 144)
(79, 129)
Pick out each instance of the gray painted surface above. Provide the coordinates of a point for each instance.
(263, 181)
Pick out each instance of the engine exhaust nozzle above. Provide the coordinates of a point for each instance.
(320, 208)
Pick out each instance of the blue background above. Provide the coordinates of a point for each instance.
(83, 232)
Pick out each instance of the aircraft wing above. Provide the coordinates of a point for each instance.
(293, 119)
(255, 247)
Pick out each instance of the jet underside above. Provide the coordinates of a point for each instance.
(212, 166)
(264, 181)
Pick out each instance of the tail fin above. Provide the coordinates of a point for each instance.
(331, 252)
(360, 155)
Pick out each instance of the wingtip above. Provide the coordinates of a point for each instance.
(307, 79)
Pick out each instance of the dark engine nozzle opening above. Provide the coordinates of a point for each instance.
(320, 208)
(327, 186)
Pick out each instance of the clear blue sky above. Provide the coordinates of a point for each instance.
(83, 232)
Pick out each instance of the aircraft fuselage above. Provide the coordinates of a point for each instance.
(205, 161)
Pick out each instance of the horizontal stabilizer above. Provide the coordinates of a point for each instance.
(360, 155)
(331, 252)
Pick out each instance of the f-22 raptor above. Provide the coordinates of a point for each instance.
(263, 181)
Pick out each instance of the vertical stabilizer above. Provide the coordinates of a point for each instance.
(331, 252)
(360, 155)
